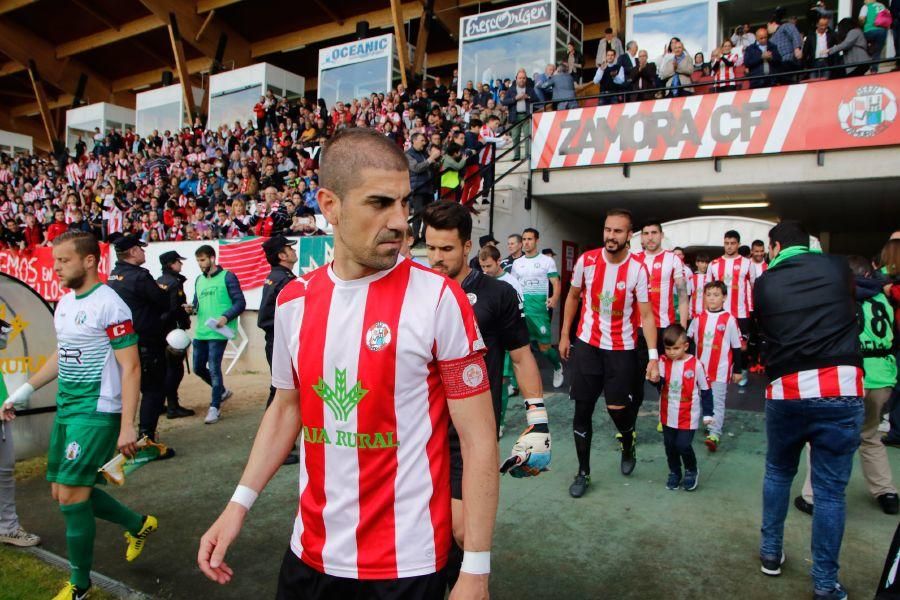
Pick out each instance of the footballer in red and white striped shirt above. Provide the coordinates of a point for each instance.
(373, 357)
(735, 271)
(666, 272)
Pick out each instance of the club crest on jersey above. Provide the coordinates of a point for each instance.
(688, 374)
(657, 265)
(378, 336)
(73, 451)
(472, 298)
(720, 327)
(620, 285)
(80, 317)
(473, 375)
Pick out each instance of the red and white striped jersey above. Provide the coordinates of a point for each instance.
(376, 361)
(663, 269)
(828, 382)
(716, 334)
(698, 280)
(738, 278)
(609, 291)
(74, 173)
(758, 269)
(679, 398)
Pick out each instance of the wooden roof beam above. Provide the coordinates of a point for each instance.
(184, 75)
(139, 80)
(41, 96)
(109, 36)
(11, 5)
(204, 6)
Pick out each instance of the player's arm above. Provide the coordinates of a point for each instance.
(18, 400)
(648, 324)
(557, 290)
(473, 418)
(681, 289)
(275, 438)
(130, 368)
(570, 309)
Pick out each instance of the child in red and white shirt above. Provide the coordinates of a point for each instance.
(684, 395)
(698, 279)
(717, 337)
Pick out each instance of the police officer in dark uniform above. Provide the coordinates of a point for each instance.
(149, 312)
(282, 256)
(172, 283)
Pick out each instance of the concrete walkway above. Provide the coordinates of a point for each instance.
(627, 538)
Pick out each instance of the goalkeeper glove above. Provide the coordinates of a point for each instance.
(18, 400)
(531, 453)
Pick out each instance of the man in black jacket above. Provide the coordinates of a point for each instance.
(518, 100)
(281, 255)
(423, 164)
(149, 312)
(806, 313)
(815, 48)
(172, 283)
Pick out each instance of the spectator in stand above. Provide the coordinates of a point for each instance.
(787, 41)
(676, 70)
(562, 86)
(78, 223)
(12, 237)
(609, 40)
(762, 60)
(540, 78)
(724, 60)
(423, 166)
(874, 28)
(700, 65)
(629, 59)
(895, 30)
(34, 233)
(610, 76)
(643, 77)
(575, 60)
(259, 109)
(742, 38)
(453, 162)
(816, 47)
(852, 44)
(518, 102)
(58, 227)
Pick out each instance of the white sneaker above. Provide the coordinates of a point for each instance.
(510, 390)
(885, 425)
(226, 395)
(20, 538)
(558, 377)
(212, 415)
(501, 431)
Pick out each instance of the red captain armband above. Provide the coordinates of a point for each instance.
(119, 330)
(464, 377)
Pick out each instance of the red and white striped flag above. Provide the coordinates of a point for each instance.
(246, 259)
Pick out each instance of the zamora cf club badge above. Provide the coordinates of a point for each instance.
(869, 112)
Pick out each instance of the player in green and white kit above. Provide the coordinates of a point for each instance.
(99, 381)
(535, 273)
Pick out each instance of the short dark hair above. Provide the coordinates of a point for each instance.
(757, 243)
(674, 334)
(475, 123)
(860, 266)
(789, 233)
(702, 257)
(489, 252)
(85, 243)
(515, 235)
(716, 285)
(205, 250)
(731, 234)
(622, 212)
(652, 223)
(350, 151)
(446, 215)
(537, 235)
(608, 30)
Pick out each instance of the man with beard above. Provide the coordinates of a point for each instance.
(611, 284)
(498, 312)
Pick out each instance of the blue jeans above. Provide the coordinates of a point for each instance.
(832, 428)
(877, 38)
(208, 366)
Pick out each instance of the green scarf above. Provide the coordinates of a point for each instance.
(790, 252)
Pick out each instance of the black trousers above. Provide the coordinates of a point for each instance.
(417, 204)
(679, 449)
(639, 376)
(270, 339)
(174, 375)
(299, 581)
(153, 377)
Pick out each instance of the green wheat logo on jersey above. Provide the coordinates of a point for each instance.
(606, 301)
(708, 337)
(339, 399)
(80, 318)
(675, 388)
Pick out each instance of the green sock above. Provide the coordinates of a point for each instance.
(504, 399)
(109, 509)
(80, 530)
(512, 380)
(553, 356)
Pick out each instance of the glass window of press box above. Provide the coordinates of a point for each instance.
(161, 118)
(353, 81)
(496, 44)
(234, 105)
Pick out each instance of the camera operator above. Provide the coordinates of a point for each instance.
(742, 37)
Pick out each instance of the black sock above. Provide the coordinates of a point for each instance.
(624, 421)
(583, 450)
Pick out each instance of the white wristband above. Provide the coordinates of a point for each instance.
(535, 414)
(653, 354)
(476, 563)
(244, 496)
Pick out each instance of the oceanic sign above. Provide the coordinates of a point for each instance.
(356, 51)
(844, 113)
(507, 20)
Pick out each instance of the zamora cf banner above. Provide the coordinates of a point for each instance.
(827, 115)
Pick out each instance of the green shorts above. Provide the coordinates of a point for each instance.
(507, 366)
(78, 450)
(538, 326)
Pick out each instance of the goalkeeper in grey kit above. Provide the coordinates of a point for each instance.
(498, 313)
